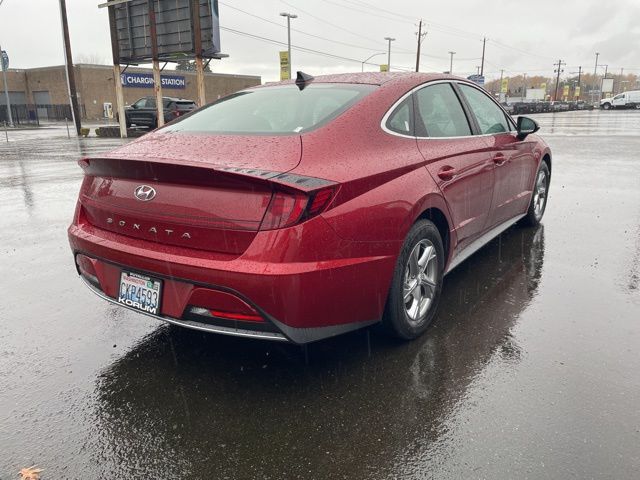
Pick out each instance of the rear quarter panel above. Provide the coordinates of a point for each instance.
(384, 183)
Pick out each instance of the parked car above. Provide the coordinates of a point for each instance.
(302, 210)
(144, 112)
(629, 99)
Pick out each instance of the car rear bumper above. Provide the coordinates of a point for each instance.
(297, 299)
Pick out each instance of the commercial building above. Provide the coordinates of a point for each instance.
(40, 94)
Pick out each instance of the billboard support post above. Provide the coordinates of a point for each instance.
(122, 119)
(157, 80)
(197, 47)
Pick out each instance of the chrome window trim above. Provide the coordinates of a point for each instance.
(385, 118)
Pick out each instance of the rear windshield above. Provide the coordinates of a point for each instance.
(274, 110)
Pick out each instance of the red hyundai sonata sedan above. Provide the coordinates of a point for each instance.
(304, 209)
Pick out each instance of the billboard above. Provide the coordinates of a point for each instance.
(607, 85)
(174, 28)
(536, 94)
(145, 80)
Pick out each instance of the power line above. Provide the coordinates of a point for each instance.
(301, 49)
(371, 49)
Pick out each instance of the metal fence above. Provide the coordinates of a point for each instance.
(34, 114)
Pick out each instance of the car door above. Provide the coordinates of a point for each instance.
(619, 100)
(458, 161)
(515, 164)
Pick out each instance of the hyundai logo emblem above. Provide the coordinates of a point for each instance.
(144, 193)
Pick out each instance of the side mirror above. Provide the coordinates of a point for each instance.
(526, 126)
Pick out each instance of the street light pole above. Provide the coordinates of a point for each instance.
(389, 39)
(369, 58)
(6, 90)
(451, 63)
(289, 17)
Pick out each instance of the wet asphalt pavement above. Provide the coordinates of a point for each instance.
(530, 369)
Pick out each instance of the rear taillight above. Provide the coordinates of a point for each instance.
(286, 209)
(243, 317)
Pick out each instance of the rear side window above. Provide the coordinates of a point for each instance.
(185, 104)
(283, 109)
(491, 119)
(441, 113)
(401, 120)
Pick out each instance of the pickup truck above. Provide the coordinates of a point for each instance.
(629, 99)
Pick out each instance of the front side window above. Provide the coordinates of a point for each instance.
(142, 103)
(274, 110)
(491, 119)
(441, 112)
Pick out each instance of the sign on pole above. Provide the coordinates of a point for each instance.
(565, 91)
(384, 68)
(477, 79)
(504, 88)
(576, 93)
(607, 85)
(284, 65)
(5, 61)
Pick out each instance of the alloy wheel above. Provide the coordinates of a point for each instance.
(540, 194)
(420, 281)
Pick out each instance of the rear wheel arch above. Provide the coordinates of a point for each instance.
(547, 159)
(439, 219)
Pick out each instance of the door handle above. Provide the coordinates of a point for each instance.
(499, 159)
(447, 172)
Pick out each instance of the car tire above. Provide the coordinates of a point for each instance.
(416, 284)
(606, 106)
(539, 196)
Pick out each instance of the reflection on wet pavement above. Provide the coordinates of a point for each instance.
(529, 370)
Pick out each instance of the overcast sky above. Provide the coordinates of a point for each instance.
(522, 36)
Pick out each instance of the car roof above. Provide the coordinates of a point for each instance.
(374, 78)
(173, 99)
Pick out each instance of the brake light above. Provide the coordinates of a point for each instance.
(207, 312)
(286, 209)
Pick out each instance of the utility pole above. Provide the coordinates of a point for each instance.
(500, 86)
(595, 77)
(289, 17)
(451, 62)
(484, 44)
(71, 79)
(420, 38)
(389, 39)
(524, 86)
(559, 70)
(579, 78)
(620, 82)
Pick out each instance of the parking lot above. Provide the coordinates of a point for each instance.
(530, 369)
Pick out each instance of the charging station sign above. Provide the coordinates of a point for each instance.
(145, 80)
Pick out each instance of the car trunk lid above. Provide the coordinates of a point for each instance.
(209, 194)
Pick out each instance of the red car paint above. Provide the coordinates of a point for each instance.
(327, 274)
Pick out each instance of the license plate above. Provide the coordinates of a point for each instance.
(140, 292)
